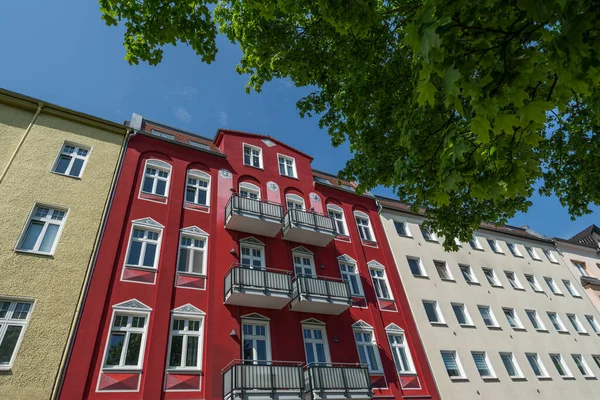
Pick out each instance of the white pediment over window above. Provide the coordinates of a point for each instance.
(393, 328)
(361, 325)
(301, 249)
(147, 222)
(133, 304)
(255, 316)
(194, 230)
(252, 241)
(268, 142)
(375, 264)
(346, 258)
(312, 321)
(188, 309)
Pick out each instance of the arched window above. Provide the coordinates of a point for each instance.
(363, 223)
(157, 175)
(337, 214)
(197, 189)
(293, 201)
(249, 190)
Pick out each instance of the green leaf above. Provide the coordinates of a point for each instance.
(426, 94)
(430, 40)
(481, 127)
(452, 75)
(506, 123)
(535, 111)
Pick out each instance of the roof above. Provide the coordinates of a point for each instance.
(221, 131)
(181, 136)
(584, 238)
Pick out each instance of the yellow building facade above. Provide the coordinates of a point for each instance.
(57, 169)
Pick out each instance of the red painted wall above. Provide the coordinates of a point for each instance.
(107, 289)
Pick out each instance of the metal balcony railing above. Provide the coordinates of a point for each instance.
(329, 288)
(312, 220)
(238, 204)
(240, 377)
(240, 277)
(337, 377)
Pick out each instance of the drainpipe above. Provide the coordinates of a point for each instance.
(14, 155)
(87, 281)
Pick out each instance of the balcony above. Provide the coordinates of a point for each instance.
(590, 281)
(270, 380)
(263, 288)
(337, 382)
(308, 227)
(320, 295)
(253, 216)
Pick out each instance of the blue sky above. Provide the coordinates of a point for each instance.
(67, 55)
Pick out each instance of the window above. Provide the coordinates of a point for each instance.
(163, 135)
(536, 365)
(535, 320)
(489, 319)
(512, 318)
(287, 166)
(198, 145)
(192, 254)
(197, 189)
(124, 348)
(592, 321)
(513, 280)
(350, 273)
(14, 316)
(580, 268)
(256, 344)
(452, 364)
(364, 227)
(576, 323)
(252, 156)
(495, 246)
(400, 351)
(533, 283)
(42, 230)
(474, 242)
(249, 191)
(380, 282)
(321, 180)
(556, 322)
(570, 288)
(428, 234)
(462, 315)
(552, 285)
(467, 273)
(294, 202)
(596, 359)
(416, 266)
(402, 228)
(433, 312)
(303, 263)
(185, 342)
(512, 368)
(156, 178)
(315, 345)
(337, 214)
(490, 275)
(252, 256)
(483, 364)
(443, 270)
(514, 250)
(532, 253)
(550, 256)
(368, 353)
(560, 365)
(582, 365)
(144, 246)
(71, 160)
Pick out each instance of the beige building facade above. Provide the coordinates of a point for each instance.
(57, 168)
(501, 318)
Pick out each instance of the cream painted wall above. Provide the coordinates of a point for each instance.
(464, 340)
(53, 282)
(590, 258)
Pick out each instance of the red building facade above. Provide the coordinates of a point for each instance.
(229, 269)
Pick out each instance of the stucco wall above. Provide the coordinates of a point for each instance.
(54, 282)
(464, 340)
(590, 258)
(13, 122)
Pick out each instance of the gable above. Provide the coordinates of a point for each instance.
(194, 230)
(147, 222)
(133, 304)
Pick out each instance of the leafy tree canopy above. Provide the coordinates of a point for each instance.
(463, 107)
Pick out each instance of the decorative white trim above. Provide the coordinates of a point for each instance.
(272, 186)
(188, 309)
(301, 249)
(360, 324)
(312, 321)
(375, 264)
(315, 197)
(225, 174)
(394, 328)
(147, 222)
(346, 258)
(194, 231)
(251, 240)
(257, 316)
(133, 304)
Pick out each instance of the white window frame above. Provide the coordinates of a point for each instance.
(580, 267)
(536, 316)
(74, 155)
(186, 316)
(540, 365)
(362, 228)
(488, 365)
(313, 342)
(570, 288)
(587, 372)
(159, 165)
(535, 285)
(495, 324)
(551, 283)
(532, 253)
(267, 337)
(515, 279)
(471, 273)
(283, 157)
(514, 363)
(347, 274)
(426, 231)
(576, 324)
(46, 220)
(515, 317)
(593, 323)
(250, 188)
(333, 208)
(381, 280)
(8, 320)
(296, 253)
(373, 344)
(550, 256)
(563, 328)
(560, 359)
(438, 312)
(495, 245)
(253, 246)
(423, 273)
(296, 200)
(397, 350)
(446, 268)
(596, 358)
(496, 282)
(514, 249)
(143, 227)
(463, 308)
(456, 359)
(404, 225)
(252, 148)
(194, 250)
(474, 243)
(201, 176)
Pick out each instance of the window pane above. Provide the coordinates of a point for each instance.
(161, 187)
(133, 350)
(320, 352)
(175, 356)
(310, 355)
(183, 260)
(191, 359)
(32, 234)
(134, 253)
(7, 347)
(198, 265)
(372, 360)
(76, 168)
(149, 255)
(148, 182)
(508, 364)
(431, 312)
(190, 194)
(49, 238)
(115, 347)
(261, 349)
(63, 164)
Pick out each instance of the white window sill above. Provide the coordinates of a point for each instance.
(542, 330)
(382, 299)
(421, 276)
(490, 378)
(37, 253)
(502, 253)
(590, 377)
(544, 378)
(519, 328)
(162, 196)
(5, 367)
(438, 323)
(66, 175)
(405, 236)
(191, 274)
(584, 333)
(458, 378)
(520, 288)
(448, 279)
(570, 377)
(494, 327)
(558, 294)
(288, 176)
(518, 378)
(432, 240)
(407, 373)
(496, 285)
(467, 325)
(518, 256)
(141, 267)
(578, 296)
(474, 283)
(477, 248)
(253, 166)
(133, 370)
(184, 370)
(563, 332)
(538, 291)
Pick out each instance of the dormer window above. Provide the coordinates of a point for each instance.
(252, 156)
(287, 166)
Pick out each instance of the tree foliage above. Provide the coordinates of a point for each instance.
(461, 106)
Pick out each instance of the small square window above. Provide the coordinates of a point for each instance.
(468, 275)
(593, 323)
(71, 160)
(570, 288)
(433, 312)
(42, 230)
(576, 324)
(253, 156)
(512, 318)
(514, 250)
(582, 366)
(443, 270)
(416, 267)
(560, 365)
(287, 166)
(535, 320)
(452, 364)
(550, 256)
(512, 368)
(534, 283)
(532, 253)
(401, 228)
(490, 275)
(428, 235)
(488, 317)
(552, 286)
(556, 322)
(474, 242)
(581, 268)
(513, 280)
(536, 365)
(495, 246)
(483, 365)
(462, 315)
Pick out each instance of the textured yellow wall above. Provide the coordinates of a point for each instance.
(54, 282)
